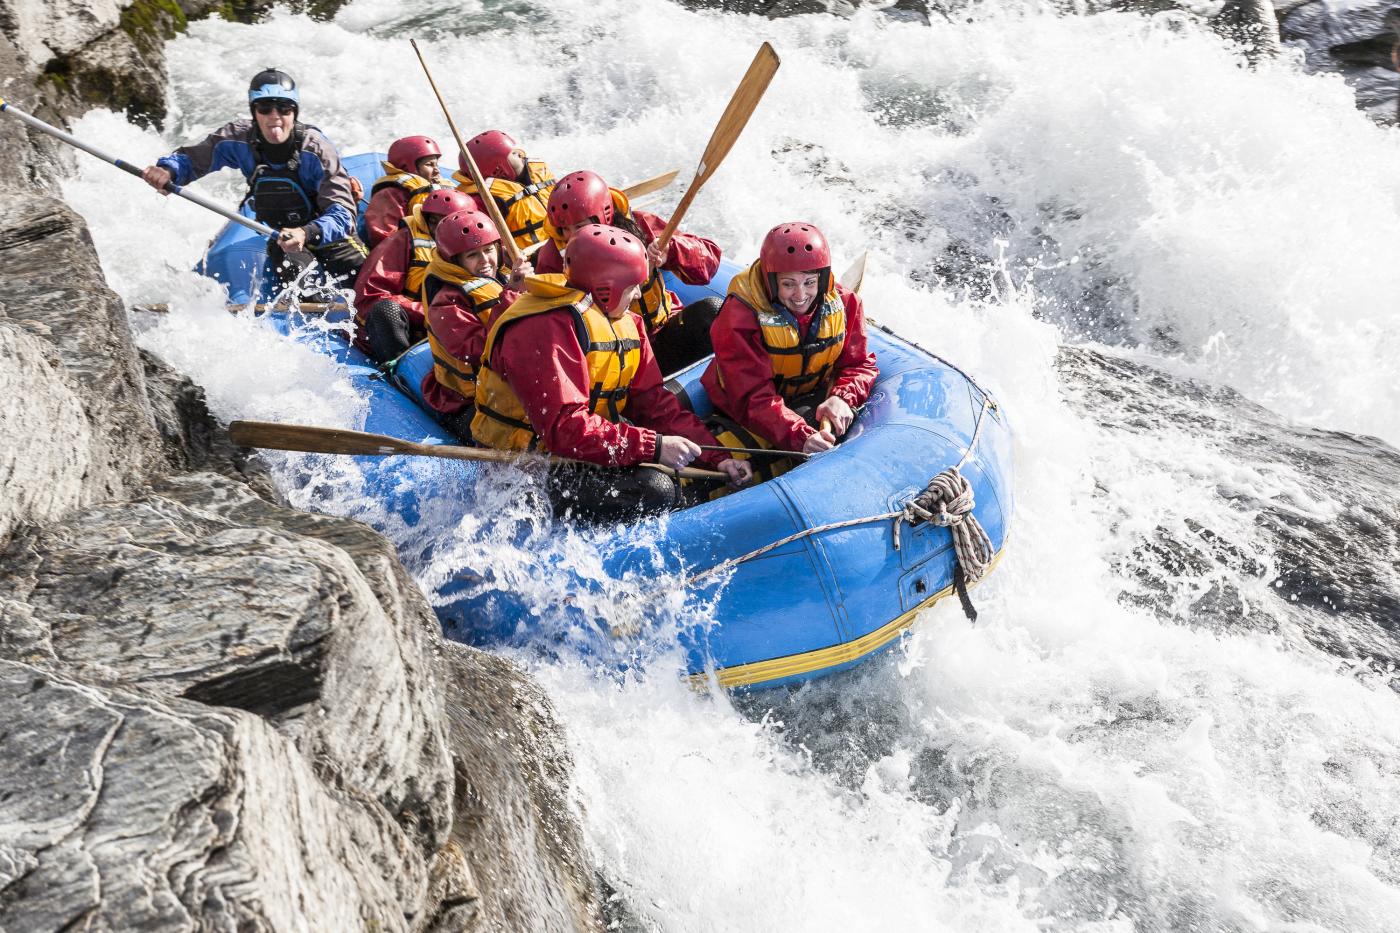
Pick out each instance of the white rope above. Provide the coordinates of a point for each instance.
(947, 501)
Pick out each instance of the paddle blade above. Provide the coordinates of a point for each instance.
(854, 277)
(313, 440)
(741, 107)
(652, 185)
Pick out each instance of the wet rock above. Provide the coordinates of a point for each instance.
(1353, 40)
(111, 53)
(47, 452)
(1312, 537)
(123, 811)
(85, 325)
(513, 784)
(257, 657)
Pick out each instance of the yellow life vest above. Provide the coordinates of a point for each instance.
(522, 206)
(653, 305)
(612, 349)
(483, 294)
(415, 186)
(420, 254)
(802, 364)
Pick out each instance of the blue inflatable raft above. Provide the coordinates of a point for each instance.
(838, 591)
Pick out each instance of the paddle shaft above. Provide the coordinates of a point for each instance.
(76, 143)
(492, 208)
(757, 451)
(854, 276)
(317, 440)
(650, 186)
(731, 124)
(306, 307)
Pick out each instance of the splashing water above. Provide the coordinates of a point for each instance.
(1103, 751)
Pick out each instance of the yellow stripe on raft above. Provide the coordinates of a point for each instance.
(757, 672)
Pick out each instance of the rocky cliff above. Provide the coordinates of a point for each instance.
(217, 712)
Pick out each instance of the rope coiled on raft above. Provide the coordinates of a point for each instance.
(947, 501)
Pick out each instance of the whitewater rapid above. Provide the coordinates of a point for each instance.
(1023, 180)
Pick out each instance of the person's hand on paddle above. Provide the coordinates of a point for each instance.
(516, 281)
(292, 240)
(835, 410)
(818, 442)
(157, 178)
(656, 255)
(675, 451)
(738, 471)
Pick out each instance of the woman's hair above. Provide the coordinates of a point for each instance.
(626, 224)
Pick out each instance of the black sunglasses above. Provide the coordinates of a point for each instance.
(266, 108)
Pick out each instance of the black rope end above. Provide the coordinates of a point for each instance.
(960, 587)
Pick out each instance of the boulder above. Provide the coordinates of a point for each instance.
(1353, 40)
(124, 811)
(285, 682)
(85, 324)
(512, 784)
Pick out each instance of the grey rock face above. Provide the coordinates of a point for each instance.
(215, 712)
(222, 710)
(85, 326)
(515, 782)
(1353, 40)
(181, 817)
(47, 452)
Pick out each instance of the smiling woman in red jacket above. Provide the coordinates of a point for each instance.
(464, 289)
(790, 348)
(679, 336)
(388, 290)
(568, 369)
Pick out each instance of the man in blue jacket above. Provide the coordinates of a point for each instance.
(295, 180)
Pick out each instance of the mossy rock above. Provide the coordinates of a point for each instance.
(150, 23)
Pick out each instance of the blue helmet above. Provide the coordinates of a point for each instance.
(271, 84)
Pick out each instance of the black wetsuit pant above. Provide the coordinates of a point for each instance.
(601, 495)
(388, 330)
(459, 424)
(685, 338)
(341, 261)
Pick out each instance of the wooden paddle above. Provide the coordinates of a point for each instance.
(731, 124)
(757, 451)
(306, 307)
(650, 186)
(854, 276)
(492, 208)
(314, 440)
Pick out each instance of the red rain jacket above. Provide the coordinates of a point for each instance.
(540, 357)
(693, 259)
(385, 275)
(748, 395)
(386, 208)
(463, 335)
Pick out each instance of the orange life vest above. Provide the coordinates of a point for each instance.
(612, 349)
(803, 364)
(522, 206)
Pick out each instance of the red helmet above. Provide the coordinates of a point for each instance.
(491, 150)
(465, 231)
(794, 247)
(605, 261)
(405, 153)
(445, 201)
(580, 196)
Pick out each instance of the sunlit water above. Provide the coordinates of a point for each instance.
(1107, 749)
